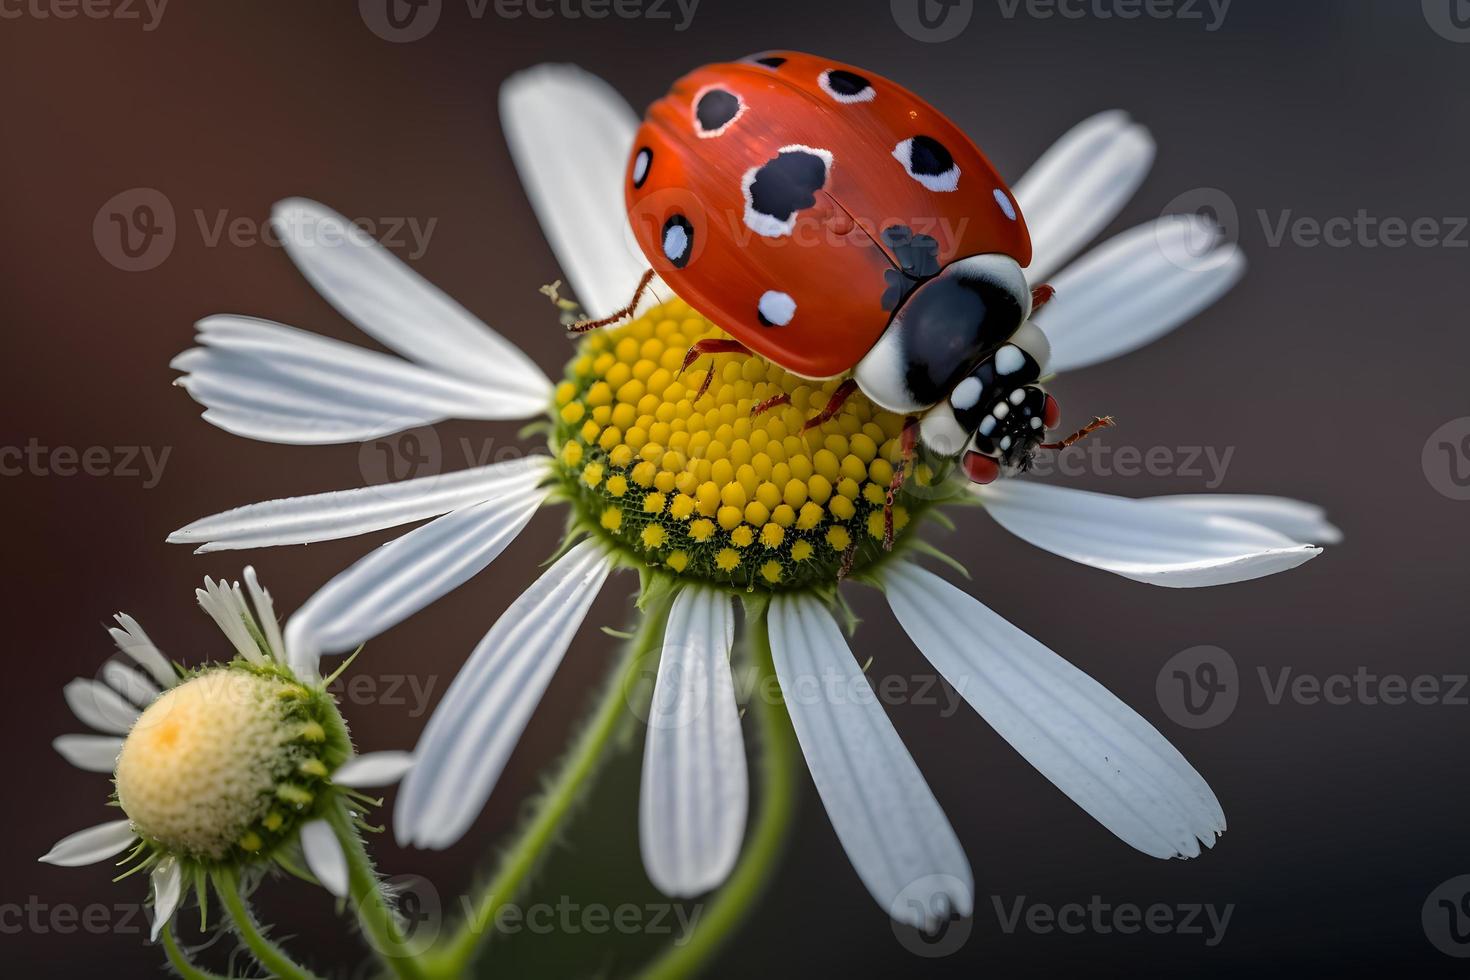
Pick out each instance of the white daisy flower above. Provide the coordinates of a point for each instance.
(221, 769)
(710, 503)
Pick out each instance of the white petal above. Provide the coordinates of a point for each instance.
(91, 845)
(225, 604)
(268, 381)
(265, 615)
(133, 642)
(324, 856)
(373, 769)
(129, 683)
(395, 305)
(1096, 749)
(1296, 519)
(1079, 185)
(896, 836)
(403, 576)
(1176, 547)
(1134, 288)
(93, 753)
(168, 888)
(99, 706)
(692, 805)
(477, 724)
(344, 513)
(570, 134)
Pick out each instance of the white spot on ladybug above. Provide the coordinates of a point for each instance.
(1017, 397)
(966, 394)
(846, 87)
(987, 425)
(929, 162)
(1001, 411)
(782, 186)
(1036, 422)
(640, 166)
(1006, 207)
(1005, 443)
(775, 308)
(678, 240)
(1009, 360)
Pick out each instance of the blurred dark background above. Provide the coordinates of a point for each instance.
(1326, 373)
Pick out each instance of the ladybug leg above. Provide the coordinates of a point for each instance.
(582, 326)
(908, 441)
(1082, 433)
(711, 345)
(770, 403)
(1040, 296)
(834, 404)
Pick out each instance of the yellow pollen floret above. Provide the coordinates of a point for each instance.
(710, 478)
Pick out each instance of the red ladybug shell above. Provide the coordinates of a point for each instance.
(785, 196)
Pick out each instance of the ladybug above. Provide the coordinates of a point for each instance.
(834, 223)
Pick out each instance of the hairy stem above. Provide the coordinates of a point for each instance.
(366, 891)
(267, 953)
(180, 961)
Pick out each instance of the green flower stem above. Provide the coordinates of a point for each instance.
(758, 861)
(366, 892)
(576, 773)
(267, 953)
(180, 962)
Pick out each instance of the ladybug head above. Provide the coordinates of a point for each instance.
(996, 416)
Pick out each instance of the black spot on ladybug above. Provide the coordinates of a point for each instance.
(917, 257)
(641, 163)
(928, 156)
(771, 61)
(715, 110)
(846, 86)
(783, 185)
(929, 162)
(678, 240)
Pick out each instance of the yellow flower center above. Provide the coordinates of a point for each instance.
(227, 762)
(703, 485)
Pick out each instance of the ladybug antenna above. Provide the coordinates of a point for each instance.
(1104, 422)
(583, 326)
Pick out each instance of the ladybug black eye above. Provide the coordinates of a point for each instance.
(846, 86)
(929, 162)
(641, 163)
